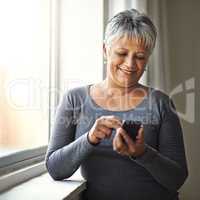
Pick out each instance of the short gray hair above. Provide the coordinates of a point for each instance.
(134, 25)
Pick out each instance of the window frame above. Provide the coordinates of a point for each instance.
(24, 158)
(18, 167)
(17, 164)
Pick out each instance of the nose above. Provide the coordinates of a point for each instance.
(130, 63)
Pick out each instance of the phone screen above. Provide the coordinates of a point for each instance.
(131, 127)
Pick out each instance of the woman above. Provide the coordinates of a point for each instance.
(88, 127)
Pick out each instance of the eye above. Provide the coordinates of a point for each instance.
(121, 54)
(140, 56)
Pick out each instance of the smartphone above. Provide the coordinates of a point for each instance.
(131, 127)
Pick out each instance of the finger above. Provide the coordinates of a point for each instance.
(125, 137)
(100, 135)
(122, 150)
(110, 121)
(105, 130)
(118, 143)
(130, 144)
(114, 143)
(114, 119)
(140, 136)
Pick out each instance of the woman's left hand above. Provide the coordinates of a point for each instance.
(124, 145)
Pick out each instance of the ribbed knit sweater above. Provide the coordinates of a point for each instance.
(156, 175)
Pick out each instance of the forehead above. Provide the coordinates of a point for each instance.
(129, 43)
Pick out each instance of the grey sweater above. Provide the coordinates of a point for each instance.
(156, 175)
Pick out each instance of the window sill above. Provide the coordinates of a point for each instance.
(44, 187)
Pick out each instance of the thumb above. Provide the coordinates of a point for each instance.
(125, 137)
(140, 136)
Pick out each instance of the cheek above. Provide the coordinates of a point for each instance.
(112, 67)
(141, 65)
(114, 62)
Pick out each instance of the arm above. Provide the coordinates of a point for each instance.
(64, 155)
(167, 165)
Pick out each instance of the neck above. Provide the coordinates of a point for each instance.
(113, 90)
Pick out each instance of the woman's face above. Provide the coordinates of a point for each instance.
(126, 60)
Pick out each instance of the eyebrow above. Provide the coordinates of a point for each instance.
(121, 48)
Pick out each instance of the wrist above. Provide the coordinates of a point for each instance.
(142, 152)
(92, 140)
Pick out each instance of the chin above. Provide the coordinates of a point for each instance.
(127, 84)
(124, 83)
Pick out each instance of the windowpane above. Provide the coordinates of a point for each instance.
(24, 74)
(81, 42)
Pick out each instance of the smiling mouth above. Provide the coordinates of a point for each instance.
(127, 71)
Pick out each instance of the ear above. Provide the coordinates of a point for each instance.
(104, 51)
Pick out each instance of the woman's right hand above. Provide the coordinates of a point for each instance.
(102, 128)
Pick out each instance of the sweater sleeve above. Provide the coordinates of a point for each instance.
(65, 154)
(167, 164)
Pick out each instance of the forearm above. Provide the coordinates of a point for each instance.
(167, 172)
(63, 162)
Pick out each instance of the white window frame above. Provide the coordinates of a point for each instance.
(18, 167)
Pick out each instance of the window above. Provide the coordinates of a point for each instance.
(24, 79)
(47, 47)
(81, 47)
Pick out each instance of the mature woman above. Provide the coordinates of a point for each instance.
(88, 127)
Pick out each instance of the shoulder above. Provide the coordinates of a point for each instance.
(163, 102)
(76, 96)
(155, 94)
(77, 91)
(159, 97)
